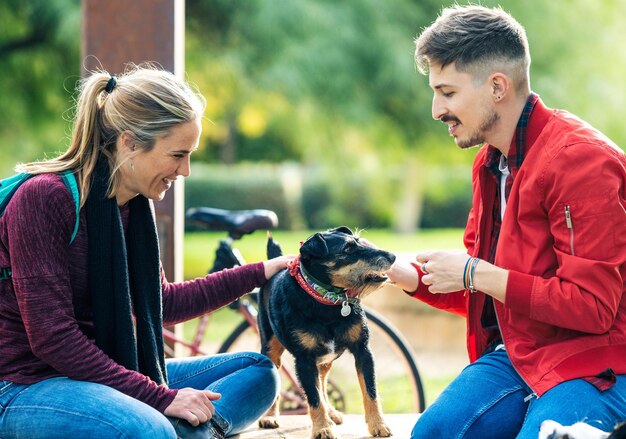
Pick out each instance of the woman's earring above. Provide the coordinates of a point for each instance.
(132, 166)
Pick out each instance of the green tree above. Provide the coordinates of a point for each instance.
(39, 60)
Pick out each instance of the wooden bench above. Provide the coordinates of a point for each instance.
(353, 427)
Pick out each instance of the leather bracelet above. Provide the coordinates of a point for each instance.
(466, 273)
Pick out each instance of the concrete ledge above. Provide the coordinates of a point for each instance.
(353, 427)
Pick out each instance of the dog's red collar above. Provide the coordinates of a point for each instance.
(321, 293)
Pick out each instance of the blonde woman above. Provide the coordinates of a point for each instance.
(81, 348)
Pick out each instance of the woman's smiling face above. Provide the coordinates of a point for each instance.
(152, 172)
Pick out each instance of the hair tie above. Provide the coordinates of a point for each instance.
(111, 84)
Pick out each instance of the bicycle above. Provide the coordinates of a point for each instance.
(398, 378)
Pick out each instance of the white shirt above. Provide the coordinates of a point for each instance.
(504, 168)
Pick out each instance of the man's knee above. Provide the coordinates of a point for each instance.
(427, 427)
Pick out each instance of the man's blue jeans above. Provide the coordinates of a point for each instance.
(490, 400)
(64, 408)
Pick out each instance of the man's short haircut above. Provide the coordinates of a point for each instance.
(478, 40)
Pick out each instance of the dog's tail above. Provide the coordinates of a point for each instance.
(273, 248)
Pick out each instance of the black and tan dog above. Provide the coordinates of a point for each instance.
(313, 311)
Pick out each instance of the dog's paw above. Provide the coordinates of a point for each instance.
(379, 430)
(324, 433)
(336, 416)
(268, 422)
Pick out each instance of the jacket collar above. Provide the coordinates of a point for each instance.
(533, 119)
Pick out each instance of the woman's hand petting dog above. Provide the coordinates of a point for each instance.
(194, 406)
(273, 266)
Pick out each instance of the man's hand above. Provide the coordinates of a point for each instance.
(444, 273)
(194, 406)
(443, 270)
(403, 275)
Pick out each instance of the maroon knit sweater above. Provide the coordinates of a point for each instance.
(46, 327)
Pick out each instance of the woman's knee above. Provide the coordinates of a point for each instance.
(268, 373)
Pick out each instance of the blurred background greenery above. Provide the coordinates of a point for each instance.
(315, 108)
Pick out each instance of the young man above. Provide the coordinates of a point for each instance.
(542, 282)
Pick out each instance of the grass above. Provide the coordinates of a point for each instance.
(199, 248)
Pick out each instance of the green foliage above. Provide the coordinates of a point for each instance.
(328, 85)
(324, 197)
(337, 198)
(39, 62)
(447, 199)
(314, 71)
(252, 187)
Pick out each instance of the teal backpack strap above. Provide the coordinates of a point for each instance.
(69, 179)
(8, 186)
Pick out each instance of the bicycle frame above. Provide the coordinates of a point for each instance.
(245, 309)
(249, 312)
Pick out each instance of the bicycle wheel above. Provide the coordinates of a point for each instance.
(396, 369)
(399, 383)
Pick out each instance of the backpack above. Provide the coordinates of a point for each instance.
(10, 185)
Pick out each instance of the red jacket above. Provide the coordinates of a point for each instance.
(564, 316)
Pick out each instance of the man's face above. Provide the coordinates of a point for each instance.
(465, 106)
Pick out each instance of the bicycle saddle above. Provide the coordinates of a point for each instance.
(236, 222)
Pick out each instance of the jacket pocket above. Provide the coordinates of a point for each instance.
(587, 228)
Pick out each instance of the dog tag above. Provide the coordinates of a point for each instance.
(345, 309)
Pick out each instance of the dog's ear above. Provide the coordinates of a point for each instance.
(314, 247)
(342, 229)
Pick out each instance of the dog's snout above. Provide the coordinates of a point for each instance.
(386, 258)
(382, 262)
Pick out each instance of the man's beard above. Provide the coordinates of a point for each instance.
(478, 137)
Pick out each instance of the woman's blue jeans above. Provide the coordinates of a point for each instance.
(64, 408)
(490, 400)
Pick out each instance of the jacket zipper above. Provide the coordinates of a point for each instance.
(570, 226)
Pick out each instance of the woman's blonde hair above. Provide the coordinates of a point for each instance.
(145, 101)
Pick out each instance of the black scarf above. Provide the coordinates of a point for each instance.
(124, 276)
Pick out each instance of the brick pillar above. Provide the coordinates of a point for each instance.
(116, 32)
